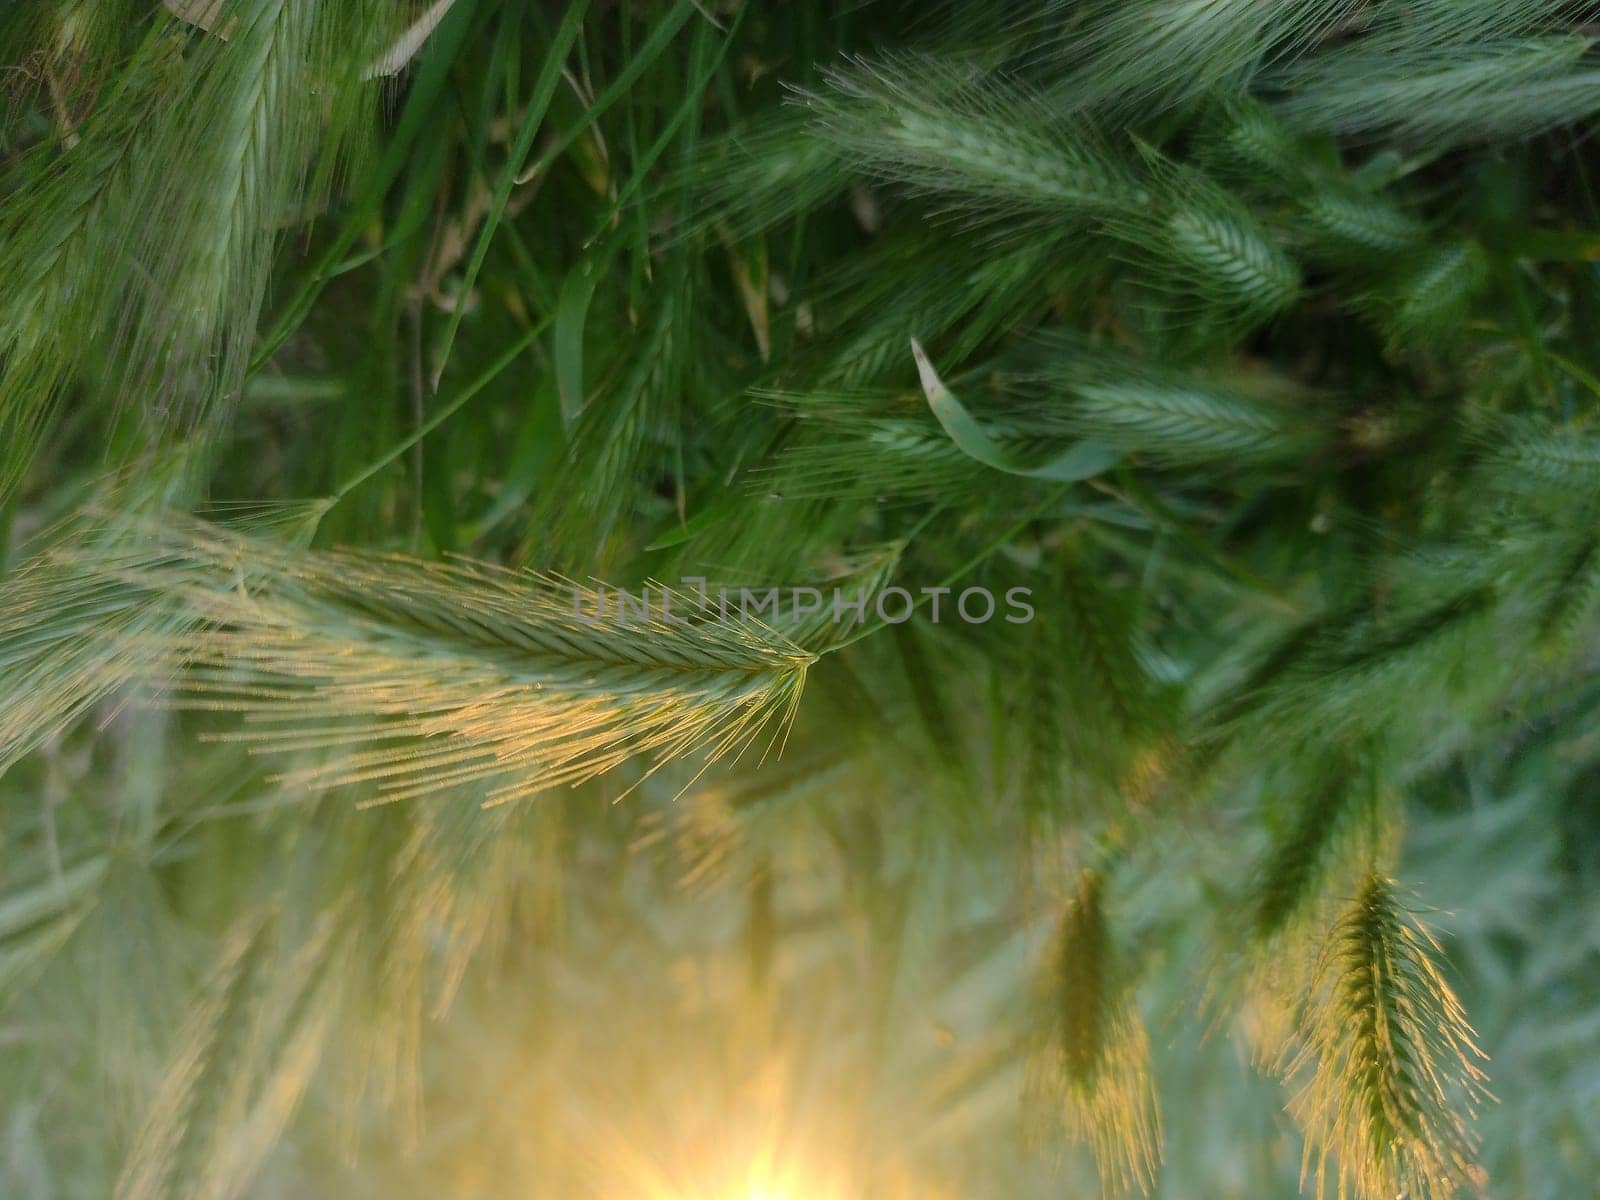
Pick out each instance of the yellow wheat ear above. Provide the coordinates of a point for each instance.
(1091, 1062)
(1390, 1064)
(408, 675)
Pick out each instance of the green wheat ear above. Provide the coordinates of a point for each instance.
(977, 142)
(172, 195)
(1388, 1063)
(1091, 1062)
(1347, 223)
(1205, 246)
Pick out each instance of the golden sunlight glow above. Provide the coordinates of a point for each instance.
(768, 1184)
(761, 1187)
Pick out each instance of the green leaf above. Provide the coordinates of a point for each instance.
(1082, 460)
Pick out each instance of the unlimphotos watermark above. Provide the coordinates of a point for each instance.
(892, 605)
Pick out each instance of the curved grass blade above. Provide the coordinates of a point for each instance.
(1082, 460)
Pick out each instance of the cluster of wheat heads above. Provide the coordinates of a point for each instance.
(355, 838)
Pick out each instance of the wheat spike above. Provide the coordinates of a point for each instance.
(1391, 1063)
(1444, 94)
(1093, 1061)
(171, 198)
(977, 141)
(1352, 222)
(1206, 245)
(1174, 421)
(422, 676)
(1559, 461)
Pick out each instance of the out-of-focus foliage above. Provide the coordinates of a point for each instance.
(351, 351)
